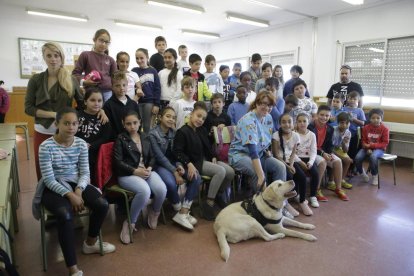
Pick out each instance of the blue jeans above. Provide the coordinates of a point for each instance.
(142, 189)
(373, 160)
(270, 165)
(172, 191)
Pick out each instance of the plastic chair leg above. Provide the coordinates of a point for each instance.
(128, 215)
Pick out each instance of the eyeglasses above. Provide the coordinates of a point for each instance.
(103, 41)
(265, 104)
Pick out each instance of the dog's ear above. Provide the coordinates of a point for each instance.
(269, 193)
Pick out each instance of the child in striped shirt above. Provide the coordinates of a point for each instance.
(64, 167)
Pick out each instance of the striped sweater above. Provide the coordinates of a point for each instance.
(57, 161)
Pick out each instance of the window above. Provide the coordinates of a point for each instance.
(285, 59)
(385, 70)
(230, 62)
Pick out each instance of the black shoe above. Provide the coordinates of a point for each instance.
(208, 211)
(221, 200)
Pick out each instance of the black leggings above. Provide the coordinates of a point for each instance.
(61, 208)
(300, 180)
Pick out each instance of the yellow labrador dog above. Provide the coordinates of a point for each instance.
(259, 217)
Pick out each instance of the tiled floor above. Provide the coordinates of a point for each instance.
(372, 234)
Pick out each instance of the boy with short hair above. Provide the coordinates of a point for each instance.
(202, 93)
(214, 81)
(357, 121)
(266, 73)
(324, 133)
(336, 108)
(182, 63)
(227, 92)
(254, 70)
(184, 106)
(305, 104)
(216, 116)
(295, 72)
(239, 108)
(116, 106)
(234, 79)
(375, 139)
(157, 59)
(340, 141)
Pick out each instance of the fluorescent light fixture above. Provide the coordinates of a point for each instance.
(177, 6)
(135, 25)
(58, 14)
(246, 20)
(376, 50)
(260, 3)
(354, 2)
(201, 34)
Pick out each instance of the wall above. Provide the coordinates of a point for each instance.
(389, 20)
(15, 23)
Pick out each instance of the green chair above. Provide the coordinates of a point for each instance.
(47, 216)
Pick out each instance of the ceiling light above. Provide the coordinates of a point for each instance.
(135, 25)
(201, 34)
(246, 20)
(354, 2)
(58, 14)
(260, 3)
(177, 6)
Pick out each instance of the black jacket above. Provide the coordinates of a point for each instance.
(187, 143)
(327, 145)
(127, 156)
(115, 110)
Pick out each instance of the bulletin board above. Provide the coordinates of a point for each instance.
(31, 59)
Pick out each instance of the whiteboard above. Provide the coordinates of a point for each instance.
(31, 59)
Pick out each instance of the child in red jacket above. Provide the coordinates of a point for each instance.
(4, 102)
(375, 139)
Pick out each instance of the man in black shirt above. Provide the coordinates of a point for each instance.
(345, 86)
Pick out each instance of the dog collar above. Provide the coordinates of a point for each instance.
(268, 204)
(251, 209)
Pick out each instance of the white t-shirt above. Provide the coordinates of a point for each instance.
(183, 66)
(307, 147)
(288, 145)
(173, 92)
(132, 78)
(182, 108)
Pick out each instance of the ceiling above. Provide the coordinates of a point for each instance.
(102, 13)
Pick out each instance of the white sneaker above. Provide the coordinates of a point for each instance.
(79, 273)
(365, 177)
(314, 202)
(182, 220)
(191, 219)
(375, 180)
(125, 236)
(92, 249)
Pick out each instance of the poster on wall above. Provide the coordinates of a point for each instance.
(31, 60)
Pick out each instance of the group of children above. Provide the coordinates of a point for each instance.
(161, 116)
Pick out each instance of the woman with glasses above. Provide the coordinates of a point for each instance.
(250, 151)
(97, 65)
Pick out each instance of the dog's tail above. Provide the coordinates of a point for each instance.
(224, 246)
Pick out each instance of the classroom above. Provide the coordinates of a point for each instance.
(189, 107)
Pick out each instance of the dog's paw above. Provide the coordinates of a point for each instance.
(310, 237)
(279, 236)
(308, 226)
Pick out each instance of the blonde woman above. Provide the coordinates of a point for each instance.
(47, 93)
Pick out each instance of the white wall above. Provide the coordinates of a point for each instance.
(390, 20)
(15, 23)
